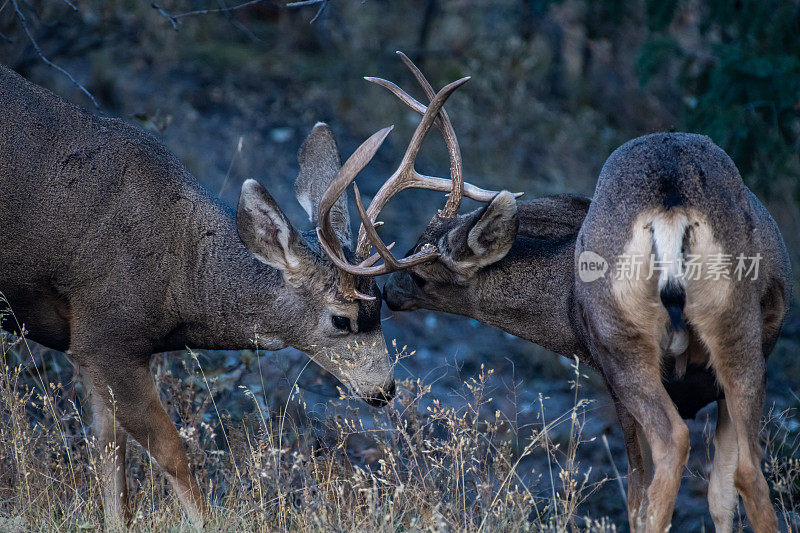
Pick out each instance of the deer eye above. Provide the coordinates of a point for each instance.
(341, 322)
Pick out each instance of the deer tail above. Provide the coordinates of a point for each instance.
(668, 237)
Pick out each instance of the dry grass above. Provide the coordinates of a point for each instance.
(407, 467)
(415, 466)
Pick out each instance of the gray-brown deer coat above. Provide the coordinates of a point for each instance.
(665, 344)
(111, 249)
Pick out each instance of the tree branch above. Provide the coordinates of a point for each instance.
(305, 3)
(236, 23)
(323, 5)
(174, 18)
(166, 15)
(24, 23)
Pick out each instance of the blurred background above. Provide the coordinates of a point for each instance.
(233, 88)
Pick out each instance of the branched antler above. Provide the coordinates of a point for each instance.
(406, 176)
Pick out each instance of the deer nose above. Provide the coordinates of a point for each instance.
(390, 300)
(393, 296)
(382, 396)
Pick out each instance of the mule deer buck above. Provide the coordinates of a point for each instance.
(111, 250)
(665, 342)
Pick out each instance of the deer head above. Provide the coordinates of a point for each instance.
(340, 332)
(466, 243)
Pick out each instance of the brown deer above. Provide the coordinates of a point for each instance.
(666, 343)
(112, 251)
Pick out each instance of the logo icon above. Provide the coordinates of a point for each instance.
(591, 266)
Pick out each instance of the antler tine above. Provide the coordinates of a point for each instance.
(406, 176)
(347, 173)
(471, 191)
(446, 127)
(369, 270)
(404, 97)
(374, 258)
(429, 182)
(390, 263)
(327, 237)
(372, 234)
(421, 79)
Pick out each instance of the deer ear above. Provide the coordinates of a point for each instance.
(268, 234)
(484, 237)
(319, 164)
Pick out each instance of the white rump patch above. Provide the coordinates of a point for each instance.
(668, 231)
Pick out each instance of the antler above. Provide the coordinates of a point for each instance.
(327, 237)
(406, 176)
(444, 125)
(394, 184)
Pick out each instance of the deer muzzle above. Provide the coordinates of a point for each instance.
(381, 396)
(398, 293)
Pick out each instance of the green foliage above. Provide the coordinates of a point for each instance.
(740, 81)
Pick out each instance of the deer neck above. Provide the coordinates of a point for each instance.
(529, 294)
(224, 297)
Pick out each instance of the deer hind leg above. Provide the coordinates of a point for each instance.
(739, 363)
(646, 471)
(112, 444)
(635, 378)
(722, 495)
(136, 406)
(639, 464)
